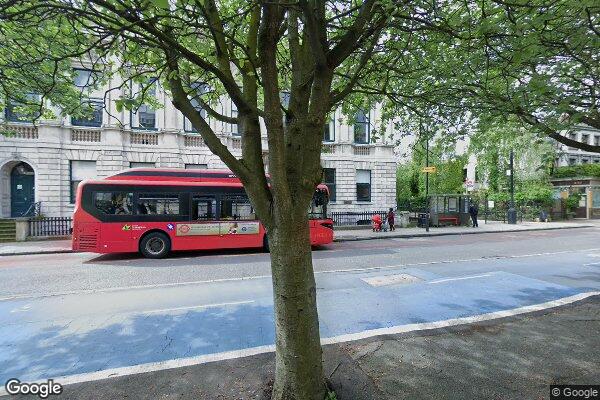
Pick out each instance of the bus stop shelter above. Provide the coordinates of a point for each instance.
(449, 209)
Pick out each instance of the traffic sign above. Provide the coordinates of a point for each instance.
(429, 169)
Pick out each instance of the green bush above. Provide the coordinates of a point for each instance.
(572, 201)
(573, 171)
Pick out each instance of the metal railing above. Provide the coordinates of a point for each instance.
(355, 218)
(33, 210)
(50, 226)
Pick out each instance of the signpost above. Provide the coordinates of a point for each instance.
(429, 170)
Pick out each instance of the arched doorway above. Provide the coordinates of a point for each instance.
(22, 189)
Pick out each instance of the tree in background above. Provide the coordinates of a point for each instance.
(448, 179)
(492, 142)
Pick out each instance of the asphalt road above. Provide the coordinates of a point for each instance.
(60, 273)
(69, 314)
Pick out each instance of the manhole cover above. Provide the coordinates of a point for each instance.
(386, 280)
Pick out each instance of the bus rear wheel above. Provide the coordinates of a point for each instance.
(155, 245)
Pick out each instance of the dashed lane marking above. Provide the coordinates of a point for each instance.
(462, 278)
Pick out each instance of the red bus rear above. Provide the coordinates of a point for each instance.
(156, 211)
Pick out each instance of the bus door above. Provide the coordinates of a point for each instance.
(117, 209)
(203, 230)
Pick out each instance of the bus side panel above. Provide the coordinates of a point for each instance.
(183, 236)
(320, 234)
(115, 237)
(234, 238)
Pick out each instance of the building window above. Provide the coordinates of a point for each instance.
(329, 180)
(572, 161)
(84, 77)
(196, 166)
(198, 89)
(363, 185)
(585, 138)
(136, 164)
(597, 140)
(145, 116)
(596, 160)
(585, 161)
(14, 113)
(78, 171)
(329, 132)
(92, 114)
(234, 114)
(362, 128)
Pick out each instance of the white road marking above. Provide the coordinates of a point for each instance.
(174, 284)
(21, 309)
(459, 278)
(162, 310)
(203, 359)
(591, 264)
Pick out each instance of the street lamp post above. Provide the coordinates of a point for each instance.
(427, 185)
(511, 216)
(426, 174)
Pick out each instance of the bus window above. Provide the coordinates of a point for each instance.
(114, 203)
(203, 208)
(236, 208)
(158, 204)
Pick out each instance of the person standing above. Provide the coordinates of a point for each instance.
(391, 219)
(474, 210)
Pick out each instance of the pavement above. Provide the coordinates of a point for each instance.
(64, 245)
(82, 318)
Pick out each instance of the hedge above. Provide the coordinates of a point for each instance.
(573, 171)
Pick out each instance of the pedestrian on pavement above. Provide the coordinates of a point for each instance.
(390, 219)
(474, 210)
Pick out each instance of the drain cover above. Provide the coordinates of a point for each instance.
(386, 280)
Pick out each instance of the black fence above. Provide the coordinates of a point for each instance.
(355, 218)
(50, 226)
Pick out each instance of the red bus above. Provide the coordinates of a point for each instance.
(154, 211)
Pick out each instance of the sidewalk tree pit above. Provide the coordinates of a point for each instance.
(286, 66)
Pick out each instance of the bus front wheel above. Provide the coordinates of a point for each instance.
(155, 245)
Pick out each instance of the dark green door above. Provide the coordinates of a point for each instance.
(22, 190)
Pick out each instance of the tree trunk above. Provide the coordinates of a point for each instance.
(298, 370)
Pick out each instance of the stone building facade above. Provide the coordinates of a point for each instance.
(42, 164)
(572, 156)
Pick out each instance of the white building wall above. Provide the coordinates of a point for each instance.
(50, 147)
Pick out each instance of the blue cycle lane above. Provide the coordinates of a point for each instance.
(54, 336)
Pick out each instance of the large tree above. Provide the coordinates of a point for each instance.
(283, 63)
